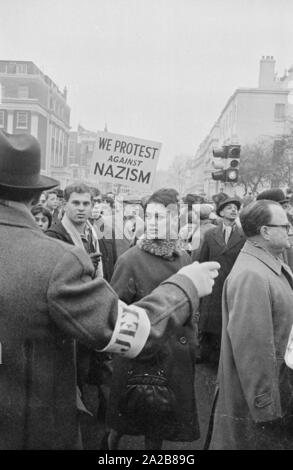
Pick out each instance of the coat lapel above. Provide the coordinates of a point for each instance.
(218, 236)
(235, 238)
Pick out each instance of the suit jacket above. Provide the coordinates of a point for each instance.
(214, 248)
(48, 299)
(255, 385)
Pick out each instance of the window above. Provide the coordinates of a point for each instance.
(2, 118)
(21, 120)
(22, 91)
(3, 67)
(21, 68)
(279, 111)
(72, 145)
(11, 67)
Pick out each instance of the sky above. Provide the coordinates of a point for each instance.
(159, 70)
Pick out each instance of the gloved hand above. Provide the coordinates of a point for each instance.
(202, 275)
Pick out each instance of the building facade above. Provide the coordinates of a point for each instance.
(81, 148)
(30, 102)
(249, 114)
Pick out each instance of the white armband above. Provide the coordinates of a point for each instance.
(131, 331)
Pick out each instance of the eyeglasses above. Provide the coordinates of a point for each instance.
(285, 226)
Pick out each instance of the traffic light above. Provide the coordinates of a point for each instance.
(233, 162)
(219, 162)
(228, 159)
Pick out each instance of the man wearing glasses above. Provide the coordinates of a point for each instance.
(276, 194)
(254, 405)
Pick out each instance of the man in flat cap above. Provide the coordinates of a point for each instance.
(49, 298)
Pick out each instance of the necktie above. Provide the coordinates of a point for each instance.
(227, 233)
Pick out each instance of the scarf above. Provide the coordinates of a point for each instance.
(166, 249)
(76, 238)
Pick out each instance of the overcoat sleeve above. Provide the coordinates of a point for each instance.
(250, 329)
(123, 281)
(88, 309)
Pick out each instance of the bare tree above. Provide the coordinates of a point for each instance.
(179, 173)
(283, 161)
(256, 167)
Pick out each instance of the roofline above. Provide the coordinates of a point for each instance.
(40, 71)
(284, 91)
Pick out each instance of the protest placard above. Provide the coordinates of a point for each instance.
(126, 160)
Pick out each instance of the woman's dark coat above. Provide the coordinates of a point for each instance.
(136, 274)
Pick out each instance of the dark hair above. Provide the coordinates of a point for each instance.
(164, 196)
(191, 199)
(41, 209)
(79, 188)
(20, 195)
(109, 200)
(255, 215)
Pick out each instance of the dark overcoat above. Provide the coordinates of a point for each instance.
(136, 274)
(214, 248)
(254, 409)
(49, 299)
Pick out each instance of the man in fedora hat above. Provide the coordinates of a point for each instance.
(50, 298)
(221, 244)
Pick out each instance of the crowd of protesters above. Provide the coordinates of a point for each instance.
(147, 241)
(113, 303)
(57, 308)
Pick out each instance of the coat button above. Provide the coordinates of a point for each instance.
(183, 340)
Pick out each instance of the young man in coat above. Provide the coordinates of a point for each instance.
(50, 298)
(222, 244)
(254, 408)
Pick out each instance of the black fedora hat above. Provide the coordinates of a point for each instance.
(225, 202)
(274, 194)
(20, 163)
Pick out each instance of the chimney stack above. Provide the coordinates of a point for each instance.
(267, 72)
